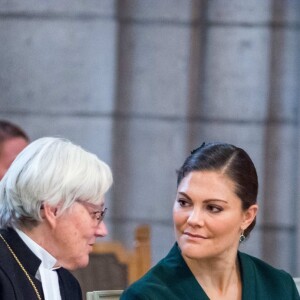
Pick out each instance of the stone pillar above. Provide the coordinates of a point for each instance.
(156, 40)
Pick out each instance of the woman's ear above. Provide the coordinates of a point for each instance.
(249, 216)
(49, 214)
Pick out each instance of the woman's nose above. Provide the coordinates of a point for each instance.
(101, 230)
(196, 217)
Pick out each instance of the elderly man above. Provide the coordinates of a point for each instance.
(51, 212)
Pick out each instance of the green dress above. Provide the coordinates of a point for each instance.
(172, 279)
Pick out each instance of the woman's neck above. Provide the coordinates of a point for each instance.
(219, 278)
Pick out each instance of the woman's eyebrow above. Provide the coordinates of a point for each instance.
(215, 200)
(206, 200)
(185, 195)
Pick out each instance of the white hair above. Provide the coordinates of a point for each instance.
(51, 170)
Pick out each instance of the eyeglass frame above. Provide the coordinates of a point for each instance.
(96, 215)
(99, 215)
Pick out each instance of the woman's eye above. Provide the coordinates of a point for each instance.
(182, 202)
(214, 208)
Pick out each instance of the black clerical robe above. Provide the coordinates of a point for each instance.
(14, 285)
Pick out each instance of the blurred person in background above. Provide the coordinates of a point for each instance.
(12, 141)
(51, 212)
(214, 211)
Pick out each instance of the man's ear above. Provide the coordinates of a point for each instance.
(249, 216)
(49, 213)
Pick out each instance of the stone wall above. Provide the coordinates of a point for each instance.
(141, 83)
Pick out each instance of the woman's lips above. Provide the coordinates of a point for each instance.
(193, 235)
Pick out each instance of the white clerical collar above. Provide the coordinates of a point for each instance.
(48, 261)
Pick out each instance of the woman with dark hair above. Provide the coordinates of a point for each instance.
(214, 211)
